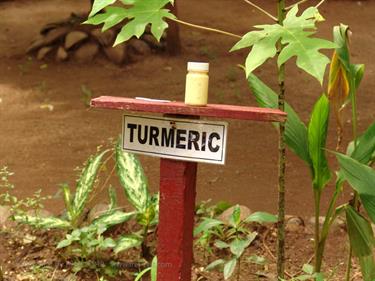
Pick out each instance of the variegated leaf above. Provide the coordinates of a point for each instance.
(127, 242)
(85, 184)
(45, 223)
(67, 200)
(132, 179)
(113, 218)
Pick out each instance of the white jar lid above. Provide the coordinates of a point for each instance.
(198, 66)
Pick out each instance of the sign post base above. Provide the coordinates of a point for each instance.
(176, 219)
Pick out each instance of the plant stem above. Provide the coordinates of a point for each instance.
(320, 3)
(317, 195)
(349, 264)
(261, 10)
(207, 28)
(326, 226)
(282, 156)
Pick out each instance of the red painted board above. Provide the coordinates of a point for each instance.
(176, 220)
(211, 110)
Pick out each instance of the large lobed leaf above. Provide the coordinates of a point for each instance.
(85, 184)
(295, 129)
(132, 179)
(317, 136)
(138, 13)
(362, 178)
(294, 34)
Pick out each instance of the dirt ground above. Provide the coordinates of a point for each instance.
(43, 147)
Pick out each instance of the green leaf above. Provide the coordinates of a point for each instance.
(295, 129)
(45, 223)
(113, 218)
(107, 244)
(229, 268)
(367, 267)
(143, 272)
(64, 243)
(238, 246)
(67, 200)
(261, 217)
(215, 264)
(99, 5)
(221, 244)
(360, 233)
(357, 71)
(142, 13)
(85, 184)
(110, 17)
(207, 224)
(362, 179)
(154, 268)
(132, 179)
(317, 135)
(127, 242)
(295, 36)
(112, 197)
(365, 146)
(235, 217)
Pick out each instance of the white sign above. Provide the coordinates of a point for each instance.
(181, 139)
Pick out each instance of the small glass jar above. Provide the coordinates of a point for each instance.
(196, 90)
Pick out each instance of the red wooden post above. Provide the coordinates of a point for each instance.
(178, 180)
(176, 219)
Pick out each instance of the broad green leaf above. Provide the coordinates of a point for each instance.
(99, 5)
(45, 223)
(360, 233)
(238, 246)
(221, 244)
(132, 179)
(142, 13)
(64, 243)
(154, 268)
(229, 268)
(367, 267)
(235, 217)
(85, 184)
(365, 146)
(362, 178)
(108, 243)
(317, 135)
(110, 17)
(261, 217)
(206, 224)
(295, 129)
(113, 218)
(215, 264)
(295, 36)
(127, 242)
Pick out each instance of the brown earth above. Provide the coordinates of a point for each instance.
(43, 147)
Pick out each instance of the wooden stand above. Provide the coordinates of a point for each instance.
(178, 181)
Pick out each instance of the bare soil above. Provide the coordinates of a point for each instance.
(44, 146)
